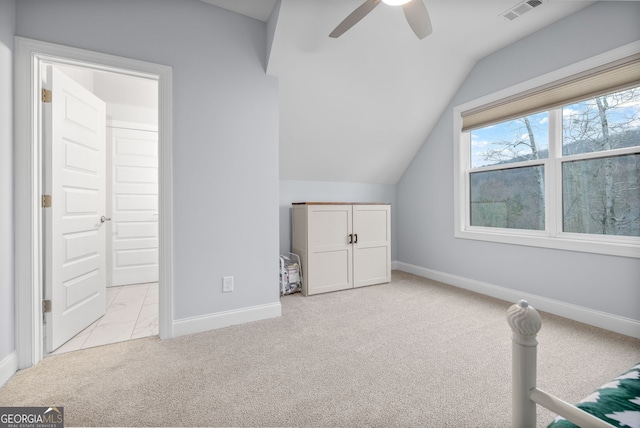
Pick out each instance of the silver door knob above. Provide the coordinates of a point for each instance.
(103, 219)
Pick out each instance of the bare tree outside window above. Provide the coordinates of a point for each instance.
(601, 195)
(599, 168)
(509, 196)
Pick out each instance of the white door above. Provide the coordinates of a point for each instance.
(74, 230)
(372, 244)
(133, 205)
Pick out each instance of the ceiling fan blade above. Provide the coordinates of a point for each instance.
(351, 20)
(418, 18)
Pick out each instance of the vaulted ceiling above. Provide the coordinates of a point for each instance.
(358, 108)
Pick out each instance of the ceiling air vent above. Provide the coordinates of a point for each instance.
(520, 9)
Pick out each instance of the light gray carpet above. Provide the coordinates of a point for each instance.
(412, 353)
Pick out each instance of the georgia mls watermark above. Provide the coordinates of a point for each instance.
(31, 417)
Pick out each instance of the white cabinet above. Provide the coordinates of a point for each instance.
(342, 245)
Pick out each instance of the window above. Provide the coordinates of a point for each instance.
(507, 173)
(555, 165)
(601, 174)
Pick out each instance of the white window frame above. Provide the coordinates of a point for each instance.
(552, 237)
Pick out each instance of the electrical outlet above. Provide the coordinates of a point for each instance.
(227, 284)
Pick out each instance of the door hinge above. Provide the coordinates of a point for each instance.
(46, 306)
(46, 95)
(46, 201)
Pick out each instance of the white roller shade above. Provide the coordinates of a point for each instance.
(608, 78)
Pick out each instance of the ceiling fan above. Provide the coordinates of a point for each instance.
(414, 10)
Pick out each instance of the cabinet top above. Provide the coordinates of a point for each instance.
(340, 203)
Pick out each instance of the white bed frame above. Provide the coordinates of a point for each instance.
(525, 324)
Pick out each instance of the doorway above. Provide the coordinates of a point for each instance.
(29, 263)
(114, 296)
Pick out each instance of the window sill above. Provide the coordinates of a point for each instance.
(616, 246)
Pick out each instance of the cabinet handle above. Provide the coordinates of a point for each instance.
(351, 238)
(356, 236)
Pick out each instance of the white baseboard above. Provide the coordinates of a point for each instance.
(611, 322)
(8, 367)
(225, 319)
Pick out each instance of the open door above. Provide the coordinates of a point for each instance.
(74, 231)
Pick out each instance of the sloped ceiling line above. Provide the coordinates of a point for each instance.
(358, 108)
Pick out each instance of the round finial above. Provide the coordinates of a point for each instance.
(525, 323)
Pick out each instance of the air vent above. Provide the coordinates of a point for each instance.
(510, 15)
(520, 9)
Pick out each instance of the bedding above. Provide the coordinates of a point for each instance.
(616, 402)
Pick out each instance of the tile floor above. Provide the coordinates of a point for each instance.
(132, 313)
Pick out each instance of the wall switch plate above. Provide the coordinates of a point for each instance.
(227, 284)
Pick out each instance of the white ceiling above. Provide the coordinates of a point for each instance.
(358, 108)
(258, 9)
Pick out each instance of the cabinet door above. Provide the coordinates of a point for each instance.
(330, 253)
(372, 251)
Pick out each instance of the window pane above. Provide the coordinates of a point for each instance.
(602, 196)
(512, 141)
(509, 198)
(603, 123)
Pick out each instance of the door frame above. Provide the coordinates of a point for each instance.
(28, 183)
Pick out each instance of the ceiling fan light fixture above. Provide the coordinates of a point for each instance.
(414, 11)
(395, 2)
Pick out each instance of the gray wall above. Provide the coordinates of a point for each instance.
(7, 15)
(325, 191)
(425, 193)
(225, 142)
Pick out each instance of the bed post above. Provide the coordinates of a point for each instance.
(525, 324)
